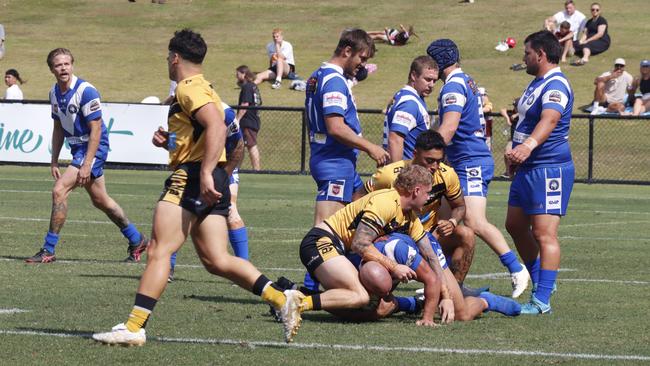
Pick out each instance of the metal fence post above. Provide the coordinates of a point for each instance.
(303, 143)
(590, 164)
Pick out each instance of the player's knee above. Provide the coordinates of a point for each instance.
(59, 193)
(360, 298)
(544, 236)
(466, 237)
(463, 316)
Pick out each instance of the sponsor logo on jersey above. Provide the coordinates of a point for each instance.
(450, 99)
(55, 108)
(530, 99)
(94, 106)
(334, 99)
(555, 97)
(403, 118)
(73, 109)
(312, 82)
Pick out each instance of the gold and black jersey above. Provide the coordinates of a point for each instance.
(445, 183)
(380, 210)
(191, 94)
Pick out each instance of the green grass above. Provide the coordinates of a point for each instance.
(121, 47)
(603, 237)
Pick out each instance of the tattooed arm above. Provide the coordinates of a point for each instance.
(362, 245)
(446, 304)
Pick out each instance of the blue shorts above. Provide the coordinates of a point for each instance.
(97, 169)
(542, 190)
(475, 178)
(340, 189)
(234, 177)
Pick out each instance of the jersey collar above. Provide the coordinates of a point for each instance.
(338, 68)
(453, 73)
(411, 89)
(551, 71)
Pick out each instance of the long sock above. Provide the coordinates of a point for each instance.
(406, 304)
(50, 241)
(545, 285)
(141, 312)
(239, 242)
(132, 234)
(311, 283)
(533, 268)
(269, 291)
(310, 303)
(172, 261)
(500, 304)
(510, 261)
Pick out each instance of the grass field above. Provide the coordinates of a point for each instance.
(121, 47)
(599, 310)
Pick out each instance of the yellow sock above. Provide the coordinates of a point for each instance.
(137, 319)
(307, 304)
(273, 296)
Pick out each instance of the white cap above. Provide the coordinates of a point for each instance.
(619, 61)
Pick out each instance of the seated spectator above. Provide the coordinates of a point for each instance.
(281, 61)
(570, 14)
(12, 79)
(394, 37)
(612, 88)
(2, 42)
(564, 35)
(642, 103)
(594, 40)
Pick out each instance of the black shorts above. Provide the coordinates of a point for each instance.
(183, 188)
(250, 136)
(274, 68)
(317, 247)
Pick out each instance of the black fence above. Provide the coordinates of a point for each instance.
(606, 149)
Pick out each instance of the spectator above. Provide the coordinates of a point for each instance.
(249, 120)
(12, 78)
(394, 37)
(594, 39)
(281, 62)
(642, 104)
(570, 14)
(2, 41)
(487, 109)
(612, 88)
(565, 35)
(511, 117)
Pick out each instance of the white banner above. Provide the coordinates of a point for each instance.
(26, 133)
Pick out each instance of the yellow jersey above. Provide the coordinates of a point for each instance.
(445, 183)
(191, 94)
(380, 210)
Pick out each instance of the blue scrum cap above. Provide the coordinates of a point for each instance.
(444, 51)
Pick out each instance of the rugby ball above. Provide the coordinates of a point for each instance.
(376, 279)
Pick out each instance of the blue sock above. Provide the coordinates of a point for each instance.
(172, 262)
(406, 304)
(131, 233)
(533, 269)
(545, 285)
(500, 304)
(510, 261)
(239, 242)
(51, 240)
(310, 283)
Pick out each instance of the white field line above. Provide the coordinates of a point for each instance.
(626, 222)
(484, 276)
(13, 311)
(353, 347)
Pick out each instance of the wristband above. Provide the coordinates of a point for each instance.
(531, 143)
(453, 222)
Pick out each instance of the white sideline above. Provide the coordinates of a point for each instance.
(352, 347)
(13, 311)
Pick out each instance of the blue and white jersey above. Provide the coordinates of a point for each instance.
(233, 134)
(328, 93)
(74, 109)
(460, 94)
(552, 91)
(407, 115)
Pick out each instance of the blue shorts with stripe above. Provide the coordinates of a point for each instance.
(79, 156)
(340, 189)
(475, 176)
(543, 190)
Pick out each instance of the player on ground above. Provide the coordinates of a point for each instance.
(540, 191)
(196, 198)
(457, 240)
(463, 128)
(407, 115)
(77, 115)
(354, 228)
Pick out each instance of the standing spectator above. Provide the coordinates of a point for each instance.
(249, 120)
(407, 116)
(642, 104)
(12, 79)
(281, 61)
(612, 87)
(2, 42)
(511, 117)
(565, 36)
(540, 191)
(487, 109)
(570, 14)
(594, 40)
(462, 127)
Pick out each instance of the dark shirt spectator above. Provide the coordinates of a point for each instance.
(595, 39)
(249, 120)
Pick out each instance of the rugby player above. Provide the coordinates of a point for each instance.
(407, 115)
(462, 126)
(540, 190)
(195, 199)
(77, 115)
(354, 228)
